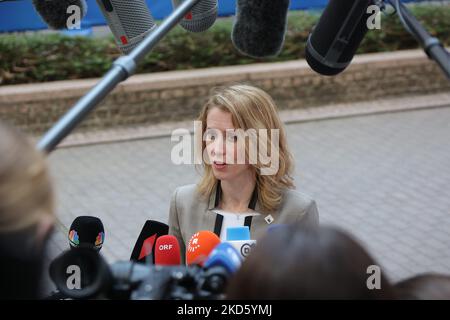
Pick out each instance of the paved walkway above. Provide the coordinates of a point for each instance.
(383, 177)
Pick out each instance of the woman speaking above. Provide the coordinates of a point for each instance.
(247, 171)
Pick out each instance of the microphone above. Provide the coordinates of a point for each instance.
(260, 27)
(129, 20)
(200, 246)
(54, 12)
(201, 17)
(86, 231)
(167, 251)
(143, 249)
(226, 256)
(338, 34)
(239, 239)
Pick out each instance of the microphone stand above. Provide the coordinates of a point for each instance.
(122, 68)
(432, 46)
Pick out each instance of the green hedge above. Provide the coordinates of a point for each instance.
(39, 58)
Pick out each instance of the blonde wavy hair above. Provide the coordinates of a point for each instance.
(251, 108)
(26, 194)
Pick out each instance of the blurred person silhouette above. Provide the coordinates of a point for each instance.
(428, 286)
(294, 262)
(26, 215)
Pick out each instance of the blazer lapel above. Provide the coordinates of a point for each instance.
(209, 216)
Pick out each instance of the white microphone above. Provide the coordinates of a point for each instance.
(239, 238)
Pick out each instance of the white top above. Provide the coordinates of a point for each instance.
(231, 219)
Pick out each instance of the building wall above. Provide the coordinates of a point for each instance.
(179, 95)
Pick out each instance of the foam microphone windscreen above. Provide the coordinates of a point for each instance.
(55, 13)
(226, 256)
(200, 246)
(338, 34)
(130, 21)
(145, 244)
(86, 231)
(260, 27)
(201, 17)
(167, 251)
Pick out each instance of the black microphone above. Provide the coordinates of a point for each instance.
(338, 34)
(55, 12)
(86, 231)
(145, 244)
(260, 27)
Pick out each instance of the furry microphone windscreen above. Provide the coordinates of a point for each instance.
(260, 27)
(55, 13)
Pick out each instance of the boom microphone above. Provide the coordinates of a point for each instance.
(167, 251)
(202, 16)
(129, 20)
(260, 27)
(200, 246)
(56, 13)
(86, 231)
(145, 243)
(338, 34)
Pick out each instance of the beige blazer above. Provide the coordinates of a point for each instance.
(190, 213)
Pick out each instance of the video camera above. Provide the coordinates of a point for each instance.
(82, 273)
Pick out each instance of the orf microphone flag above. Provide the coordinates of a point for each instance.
(200, 246)
(167, 251)
(145, 243)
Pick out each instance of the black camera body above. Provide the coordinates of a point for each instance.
(129, 280)
(181, 283)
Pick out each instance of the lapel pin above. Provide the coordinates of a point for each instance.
(269, 219)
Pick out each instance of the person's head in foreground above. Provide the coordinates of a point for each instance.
(427, 286)
(26, 215)
(293, 262)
